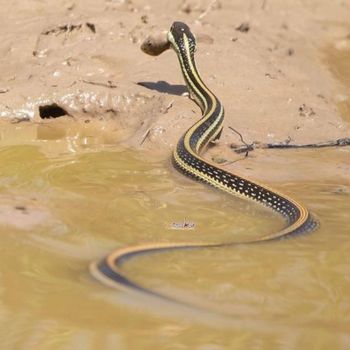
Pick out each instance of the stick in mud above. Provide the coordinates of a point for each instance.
(246, 148)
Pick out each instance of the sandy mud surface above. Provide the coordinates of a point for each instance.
(80, 61)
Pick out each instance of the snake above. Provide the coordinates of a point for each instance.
(187, 158)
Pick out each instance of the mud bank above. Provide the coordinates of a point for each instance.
(266, 60)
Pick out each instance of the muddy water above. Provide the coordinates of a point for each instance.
(70, 198)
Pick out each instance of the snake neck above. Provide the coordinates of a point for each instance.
(209, 127)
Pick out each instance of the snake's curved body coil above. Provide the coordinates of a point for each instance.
(187, 159)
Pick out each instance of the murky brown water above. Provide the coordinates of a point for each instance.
(67, 198)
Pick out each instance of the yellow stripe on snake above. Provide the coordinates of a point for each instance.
(188, 160)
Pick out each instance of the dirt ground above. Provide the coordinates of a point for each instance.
(265, 60)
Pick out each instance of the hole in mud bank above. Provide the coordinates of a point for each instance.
(51, 111)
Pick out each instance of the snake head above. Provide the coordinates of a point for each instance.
(181, 38)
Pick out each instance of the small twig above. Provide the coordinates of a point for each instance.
(109, 83)
(209, 9)
(145, 135)
(333, 143)
(17, 120)
(168, 107)
(286, 144)
(247, 147)
(234, 161)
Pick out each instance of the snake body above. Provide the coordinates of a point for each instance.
(188, 160)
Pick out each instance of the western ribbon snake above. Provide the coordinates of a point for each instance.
(188, 160)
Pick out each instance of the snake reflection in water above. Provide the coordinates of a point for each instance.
(188, 160)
